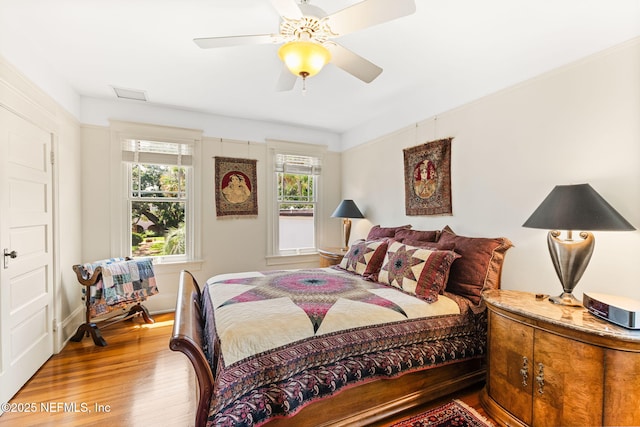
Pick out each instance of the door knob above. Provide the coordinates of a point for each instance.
(12, 254)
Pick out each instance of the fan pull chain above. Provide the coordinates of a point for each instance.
(304, 75)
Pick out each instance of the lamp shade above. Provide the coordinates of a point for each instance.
(576, 207)
(304, 58)
(347, 209)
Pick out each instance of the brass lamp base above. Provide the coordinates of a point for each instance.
(346, 232)
(570, 259)
(566, 299)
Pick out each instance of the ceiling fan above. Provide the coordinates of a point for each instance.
(307, 34)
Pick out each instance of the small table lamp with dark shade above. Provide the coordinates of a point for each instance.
(345, 210)
(574, 207)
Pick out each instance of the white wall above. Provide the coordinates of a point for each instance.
(577, 124)
(227, 244)
(98, 112)
(69, 307)
(230, 244)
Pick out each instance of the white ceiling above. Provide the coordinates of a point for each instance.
(448, 53)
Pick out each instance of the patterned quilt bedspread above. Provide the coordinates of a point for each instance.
(278, 340)
(123, 281)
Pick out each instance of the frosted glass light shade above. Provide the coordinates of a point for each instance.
(304, 59)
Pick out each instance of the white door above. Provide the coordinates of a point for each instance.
(26, 280)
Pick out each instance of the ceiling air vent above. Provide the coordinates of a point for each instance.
(137, 95)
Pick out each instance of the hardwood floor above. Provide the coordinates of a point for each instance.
(134, 381)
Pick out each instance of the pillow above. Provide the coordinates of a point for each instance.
(416, 237)
(418, 271)
(481, 264)
(365, 258)
(378, 232)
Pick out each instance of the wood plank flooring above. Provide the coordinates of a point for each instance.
(134, 381)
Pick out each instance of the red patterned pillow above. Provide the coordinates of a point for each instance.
(481, 264)
(417, 237)
(365, 258)
(377, 232)
(418, 271)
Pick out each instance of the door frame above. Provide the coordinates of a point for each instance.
(21, 97)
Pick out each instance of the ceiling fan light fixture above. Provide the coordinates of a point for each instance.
(304, 58)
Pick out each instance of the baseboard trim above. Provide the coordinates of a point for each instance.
(66, 328)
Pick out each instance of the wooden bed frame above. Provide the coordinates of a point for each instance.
(356, 406)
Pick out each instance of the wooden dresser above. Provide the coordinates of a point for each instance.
(552, 365)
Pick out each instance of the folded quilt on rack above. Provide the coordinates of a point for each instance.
(123, 282)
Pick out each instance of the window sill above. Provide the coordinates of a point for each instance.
(177, 266)
(293, 259)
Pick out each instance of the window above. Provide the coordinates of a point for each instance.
(158, 203)
(297, 202)
(296, 186)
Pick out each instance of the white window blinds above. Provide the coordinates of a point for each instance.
(299, 165)
(158, 153)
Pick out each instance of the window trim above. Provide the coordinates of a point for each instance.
(120, 131)
(274, 147)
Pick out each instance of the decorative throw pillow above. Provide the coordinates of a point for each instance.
(418, 271)
(417, 237)
(377, 232)
(481, 264)
(365, 258)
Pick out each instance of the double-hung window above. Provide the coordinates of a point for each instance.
(296, 191)
(159, 204)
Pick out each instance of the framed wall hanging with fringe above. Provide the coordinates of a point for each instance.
(427, 178)
(236, 187)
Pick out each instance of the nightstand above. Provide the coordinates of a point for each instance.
(331, 256)
(551, 365)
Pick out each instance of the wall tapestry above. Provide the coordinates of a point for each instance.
(236, 186)
(427, 178)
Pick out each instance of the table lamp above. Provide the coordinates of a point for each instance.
(347, 209)
(574, 207)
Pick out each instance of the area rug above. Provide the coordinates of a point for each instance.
(455, 413)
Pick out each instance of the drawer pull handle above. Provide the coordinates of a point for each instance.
(525, 371)
(540, 378)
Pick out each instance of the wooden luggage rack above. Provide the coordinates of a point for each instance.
(90, 328)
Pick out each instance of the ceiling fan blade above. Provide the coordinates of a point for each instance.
(352, 63)
(286, 81)
(287, 8)
(368, 13)
(213, 42)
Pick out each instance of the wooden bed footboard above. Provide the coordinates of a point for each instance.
(366, 404)
(386, 400)
(187, 338)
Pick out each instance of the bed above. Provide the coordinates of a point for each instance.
(397, 323)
